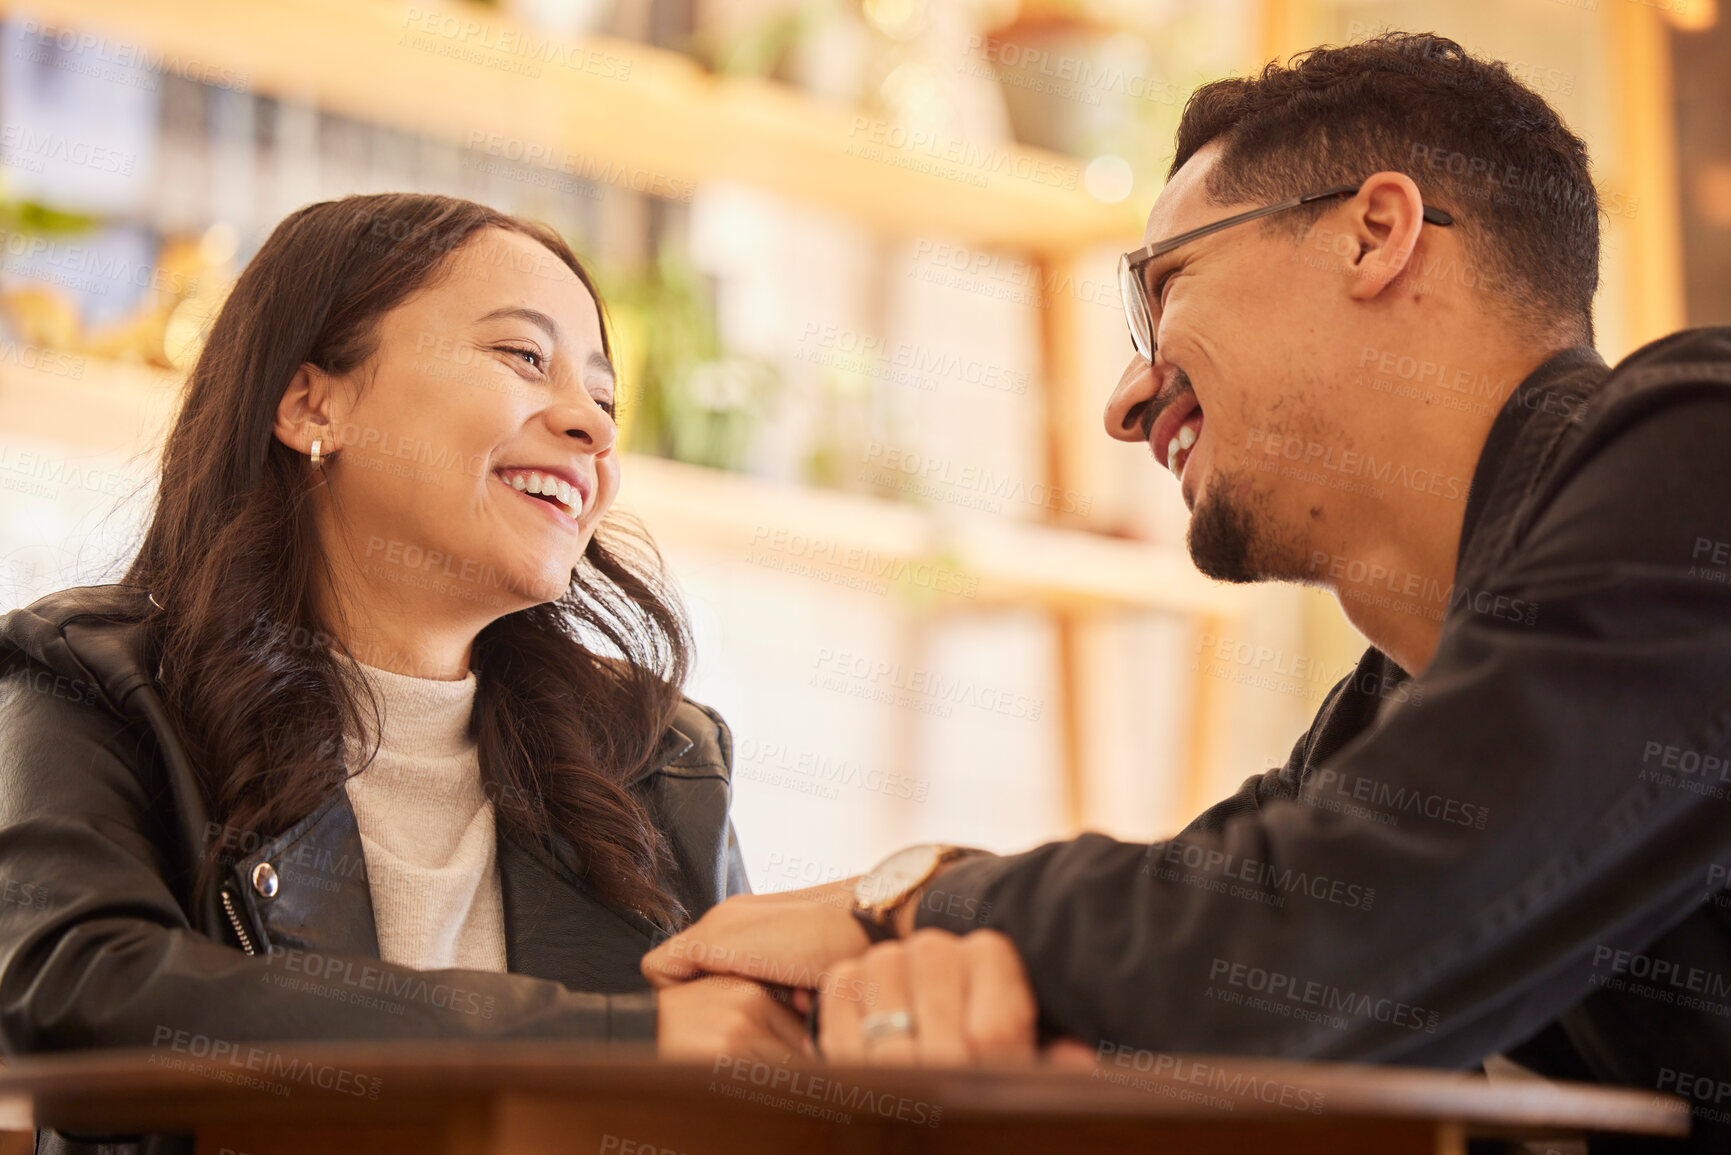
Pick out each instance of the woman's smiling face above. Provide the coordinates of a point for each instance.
(489, 383)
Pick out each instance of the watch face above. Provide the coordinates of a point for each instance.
(896, 875)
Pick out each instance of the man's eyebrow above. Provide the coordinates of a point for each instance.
(534, 316)
(1166, 261)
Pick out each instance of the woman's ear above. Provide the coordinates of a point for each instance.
(303, 413)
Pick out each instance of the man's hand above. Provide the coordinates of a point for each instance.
(794, 938)
(965, 999)
(726, 1016)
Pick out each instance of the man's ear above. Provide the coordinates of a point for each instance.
(1387, 215)
(303, 413)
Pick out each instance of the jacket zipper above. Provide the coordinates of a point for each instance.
(234, 920)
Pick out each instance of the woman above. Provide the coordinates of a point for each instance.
(382, 734)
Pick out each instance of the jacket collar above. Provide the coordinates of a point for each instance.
(1533, 421)
(674, 744)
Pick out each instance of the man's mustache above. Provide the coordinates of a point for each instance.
(1145, 413)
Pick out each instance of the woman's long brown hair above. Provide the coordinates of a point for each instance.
(572, 696)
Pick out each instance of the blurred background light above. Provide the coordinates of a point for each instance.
(1109, 178)
(859, 261)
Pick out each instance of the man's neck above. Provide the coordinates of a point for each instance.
(1398, 605)
(1399, 550)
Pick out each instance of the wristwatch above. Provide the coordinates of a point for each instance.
(883, 890)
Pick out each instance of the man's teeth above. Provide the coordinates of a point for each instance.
(530, 481)
(1185, 438)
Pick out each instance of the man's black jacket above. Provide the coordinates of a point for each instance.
(1523, 850)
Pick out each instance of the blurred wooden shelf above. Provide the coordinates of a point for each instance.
(100, 406)
(644, 116)
(963, 559)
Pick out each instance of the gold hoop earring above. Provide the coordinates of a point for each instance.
(315, 454)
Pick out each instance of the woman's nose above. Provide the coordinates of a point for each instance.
(1135, 388)
(583, 418)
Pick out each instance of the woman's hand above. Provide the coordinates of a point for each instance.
(719, 1015)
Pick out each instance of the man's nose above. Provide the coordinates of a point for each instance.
(1135, 389)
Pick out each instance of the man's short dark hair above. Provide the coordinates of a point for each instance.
(1477, 142)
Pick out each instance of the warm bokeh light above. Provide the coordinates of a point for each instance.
(859, 262)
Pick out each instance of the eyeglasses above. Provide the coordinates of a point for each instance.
(1130, 265)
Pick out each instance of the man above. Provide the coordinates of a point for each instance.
(1505, 830)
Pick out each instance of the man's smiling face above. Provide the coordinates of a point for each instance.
(1249, 341)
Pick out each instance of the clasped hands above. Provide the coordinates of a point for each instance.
(930, 999)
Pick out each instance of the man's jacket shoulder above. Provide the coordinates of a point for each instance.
(1665, 360)
(1667, 381)
(1693, 363)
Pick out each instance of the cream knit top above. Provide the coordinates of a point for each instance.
(426, 826)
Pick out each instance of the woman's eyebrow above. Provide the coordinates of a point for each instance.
(534, 316)
(598, 362)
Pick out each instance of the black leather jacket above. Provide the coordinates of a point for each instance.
(101, 827)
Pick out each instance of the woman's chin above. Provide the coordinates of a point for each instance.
(538, 568)
(547, 585)
(533, 590)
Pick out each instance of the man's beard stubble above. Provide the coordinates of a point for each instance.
(1222, 536)
(1226, 539)
(1233, 540)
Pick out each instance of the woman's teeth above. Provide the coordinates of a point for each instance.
(529, 481)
